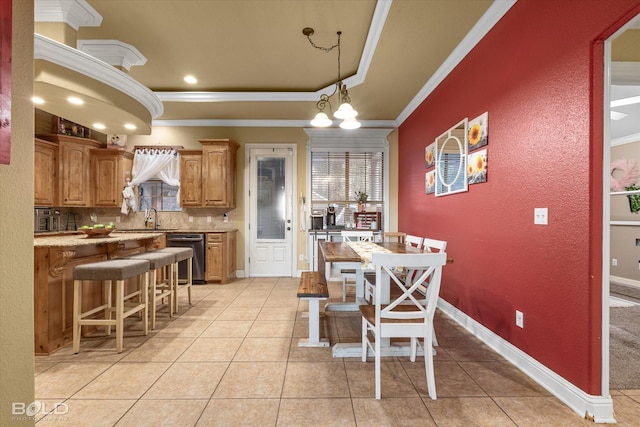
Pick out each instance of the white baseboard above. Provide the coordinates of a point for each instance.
(624, 281)
(597, 408)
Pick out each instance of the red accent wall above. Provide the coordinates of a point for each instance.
(538, 73)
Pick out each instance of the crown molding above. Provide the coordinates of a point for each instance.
(381, 124)
(80, 62)
(375, 30)
(495, 12)
(113, 52)
(75, 13)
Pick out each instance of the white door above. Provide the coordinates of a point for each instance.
(271, 216)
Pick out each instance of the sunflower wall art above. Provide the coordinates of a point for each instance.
(478, 132)
(430, 155)
(430, 182)
(477, 167)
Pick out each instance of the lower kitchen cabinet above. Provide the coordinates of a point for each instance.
(221, 256)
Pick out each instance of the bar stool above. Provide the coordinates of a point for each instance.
(106, 272)
(158, 291)
(181, 254)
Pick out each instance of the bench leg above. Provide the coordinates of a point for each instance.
(314, 326)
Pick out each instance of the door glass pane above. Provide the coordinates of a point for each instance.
(271, 200)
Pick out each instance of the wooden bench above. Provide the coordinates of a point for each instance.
(313, 288)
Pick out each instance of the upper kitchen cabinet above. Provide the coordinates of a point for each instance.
(208, 177)
(219, 172)
(190, 178)
(74, 164)
(110, 169)
(46, 173)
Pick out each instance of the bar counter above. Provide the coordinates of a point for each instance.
(55, 256)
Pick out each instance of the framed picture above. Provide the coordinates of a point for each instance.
(5, 82)
(430, 155)
(478, 132)
(430, 182)
(477, 167)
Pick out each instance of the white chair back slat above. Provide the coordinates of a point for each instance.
(414, 241)
(432, 245)
(356, 236)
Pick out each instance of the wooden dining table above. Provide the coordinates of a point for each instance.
(343, 253)
(347, 257)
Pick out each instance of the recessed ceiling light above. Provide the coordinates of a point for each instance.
(37, 100)
(130, 126)
(190, 79)
(75, 100)
(99, 126)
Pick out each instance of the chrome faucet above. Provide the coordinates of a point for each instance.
(155, 218)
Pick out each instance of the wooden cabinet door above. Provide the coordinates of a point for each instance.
(219, 172)
(215, 176)
(45, 173)
(105, 170)
(74, 170)
(215, 257)
(190, 178)
(110, 169)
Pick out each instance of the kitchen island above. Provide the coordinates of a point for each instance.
(55, 256)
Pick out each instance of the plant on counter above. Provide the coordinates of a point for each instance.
(361, 197)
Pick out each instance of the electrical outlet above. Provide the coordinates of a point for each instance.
(614, 262)
(190, 219)
(117, 219)
(519, 319)
(225, 217)
(208, 218)
(541, 216)
(301, 257)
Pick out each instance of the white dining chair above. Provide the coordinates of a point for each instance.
(431, 246)
(404, 316)
(349, 274)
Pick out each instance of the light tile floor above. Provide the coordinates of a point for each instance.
(232, 359)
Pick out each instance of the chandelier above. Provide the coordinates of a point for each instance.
(345, 111)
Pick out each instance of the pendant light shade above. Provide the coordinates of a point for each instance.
(350, 123)
(345, 111)
(321, 120)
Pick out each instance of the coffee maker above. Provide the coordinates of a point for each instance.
(331, 216)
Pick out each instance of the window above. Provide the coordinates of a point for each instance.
(337, 176)
(159, 195)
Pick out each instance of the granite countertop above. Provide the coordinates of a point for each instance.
(81, 239)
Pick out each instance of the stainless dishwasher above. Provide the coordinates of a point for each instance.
(195, 241)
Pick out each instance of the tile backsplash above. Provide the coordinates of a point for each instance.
(166, 220)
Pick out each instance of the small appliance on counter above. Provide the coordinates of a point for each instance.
(317, 220)
(331, 216)
(46, 219)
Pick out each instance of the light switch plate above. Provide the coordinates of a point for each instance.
(541, 216)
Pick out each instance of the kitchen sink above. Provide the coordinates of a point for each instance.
(143, 230)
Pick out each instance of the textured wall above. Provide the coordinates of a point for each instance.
(16, 230)
(539, 75)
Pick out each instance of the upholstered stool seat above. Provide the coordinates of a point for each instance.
(107, 272)
(181, 254)
(158, 291)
